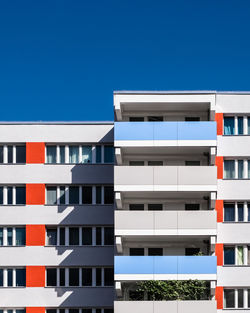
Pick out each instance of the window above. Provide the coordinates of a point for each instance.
(192, 119)
(20, 154)
(98, 154)
(20, 277)
(136, 119)
(136, 207)
(98, 276)
(240, 207)
(9, 236)
(108, 154)
(192, 206)
(1, 236)
(98, 237)
(228, 125)
(108, 236)
(62, 154)
(10, 154)
(12, 277)
(73, 195)
(9, 195)
(51, 195)
(108, 195)
(1, 195)
(51, 277)
(87, 194)
(108, 276)
(155, 207)
(155, 163)
(136, 251)
(192, 163)
(51, 154)
(51, 236)
(73, 154)
(240, 169)
(62, 236)
(229, 255)
(155, 118)
(136, 163)
(62, 277)
(20, 195)
(98, 194)
(1, 277)
(20, 236)
(86, 236)
(87, 277)
(62, 195)
(229, 169)
(229, 212)
(192, 251)
(155, 251)
(74, 277)
(229, 298)
(1, 154)
(74, 236)
(240, 125)
(86, 154)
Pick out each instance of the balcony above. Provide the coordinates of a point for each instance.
(165, 178)
(165, 223)
(205, 306)
(156, 134)
(136, 268)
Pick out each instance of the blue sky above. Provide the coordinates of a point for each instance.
(62, 59)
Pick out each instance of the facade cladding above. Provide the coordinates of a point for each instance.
(92, 211)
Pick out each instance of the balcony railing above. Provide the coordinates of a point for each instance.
(160, 223)
(165, 133)
(165, 178)
(136, 268)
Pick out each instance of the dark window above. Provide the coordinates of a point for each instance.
(228, 125)
(51, 311)
(62, 236)
(87, 195)
(61, 310)
(87, 236)
(62, 154)
(192, 251)
(9, 195)
(73, 310)
(229, 212)
(62, 277)
(88, 311)
(98, 194)
(62, 195)
(108, 154)
(98, 236)
(1, 195)
(10, 277)
(1, 154)
(10, 154)
(192, 206)
(240, 212)
(192, 163)
(87, 276)
(74, 277)
(155, 207)
(20, 154)
(240, 125)
(155, 118)
(51, 195)
(108, 195)
(1, 277)
(136, 251)
(51, 277)
(136, 119)
(192, 119)
(20, 277)
(98, 154)
(155, 163)
(20, 236)
(74, 236)
(155, 251)
(9, 236)
(240, 298)
(108, 311)
(20, 195)
(108, 236)
(136, 163)
(229, 256)
(229, 298)
(52, 236)
(136, 207)
(74, 195)
(108, 277)
(98, 276)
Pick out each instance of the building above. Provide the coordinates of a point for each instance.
(92, 212)
(182, 193)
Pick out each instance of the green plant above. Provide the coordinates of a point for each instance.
(174, 290)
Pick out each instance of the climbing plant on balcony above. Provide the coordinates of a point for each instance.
(174, 290)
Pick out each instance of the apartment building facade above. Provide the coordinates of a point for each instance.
(182, 199)
(91, 211)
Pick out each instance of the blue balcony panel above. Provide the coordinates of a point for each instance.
(197, 265)
(165, 130)
(197, 131)
(134, 131)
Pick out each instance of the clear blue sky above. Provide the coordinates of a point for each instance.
(62, 59)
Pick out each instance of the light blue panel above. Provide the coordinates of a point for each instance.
(197, 264)
(165, 130)
(134, 264)
(165, 265)
(197, 131)
(134, 130)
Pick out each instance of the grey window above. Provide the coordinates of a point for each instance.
(240, 212)
(62, 154)
(192, 206)
(1, 277)
(51, 277)
(73, 195)
(87, 194)
(229, 212)
(229, 299)
(108, 277)
(98, 236)
(10, 154)
(73, 154)
(20, 277)
(228, 125)
(229, 255)
(20, 195)
(98, 277)
(20, 236)
(155, 163)
(51, 236)
(9, 195)
(1, 236)
(20, 154)
(136, 119)
(240, 125)
(87, 276)
(98, 194)
(62, 236)
(74, 277)
(155, 118)
(192, 163)
(62, 277)
(240, 169)
(10, 277)
(229, 169)
(1, 154)
(9, 236)
(98, 154)
(155, 207)
(136, 207)
(240, 298)
(62, 195)
(51, 154)
(155, 251)
(136, 163)
(108, 154)
(108, 195)
(74, 236)
(51, 195)
(136, 251)
(87, 236)
(108, 236)
(1, 195)
(86, 154)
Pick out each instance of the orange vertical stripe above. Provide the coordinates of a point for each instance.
(219, 120)
(35, 310)
(35, 276)
(35, 193)
(219, 297)
(219, 164)
(35, 152)
(35, 235)
(219, 206)
(219, 253)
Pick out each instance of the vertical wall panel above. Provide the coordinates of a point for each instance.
(35, 235)
(219, 297)
(35, 152)
(35, 309)
(219, 206)
(219, 120)
(219, 253)
(35, 276)
(35, 193)
(219, 164)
